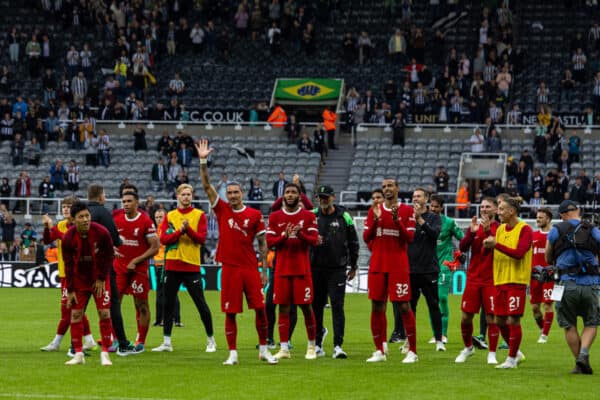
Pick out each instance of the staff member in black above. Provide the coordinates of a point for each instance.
(102, 216)
(337, 249)
(424, 266)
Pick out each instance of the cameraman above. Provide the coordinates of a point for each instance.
(573, 246)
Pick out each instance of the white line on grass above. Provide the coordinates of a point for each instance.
(72, 397)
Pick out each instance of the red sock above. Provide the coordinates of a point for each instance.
(231, 331)
(540, 322)
(105, 331)
(548, 318)
(493, 335)
(516, 333)
(376, 329)
(310, 322)
(262, 325)
(77, 336)
(410, 327)
(505, 332)
(86, 325)
(466, 329)
(284, 327)
(65, 320)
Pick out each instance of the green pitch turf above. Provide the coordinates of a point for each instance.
(29, 317)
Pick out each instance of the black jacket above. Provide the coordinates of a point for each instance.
(422, 252)
(339, 247)
(102, 216)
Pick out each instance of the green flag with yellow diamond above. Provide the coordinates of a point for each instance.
(308, 90)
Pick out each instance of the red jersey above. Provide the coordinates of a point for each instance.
(388, 240)
(87, 259)
(134, 234)
(292, 253)
(237, 231)
(481, 266)
(539, 249)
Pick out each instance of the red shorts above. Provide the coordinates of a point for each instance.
(396, 285)
(235, 282)
(510, 299)
(540, 292)
(83, 296)
(63, 290)
(476, 295)
(297, 289)
(135, 283)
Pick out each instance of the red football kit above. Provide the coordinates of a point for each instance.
(540, 292)
(388, 241)
(235, 251)
(293, 280)
(88, 258)
(134, 234)
(479, 289)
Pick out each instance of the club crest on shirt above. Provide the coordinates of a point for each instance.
(234, 225)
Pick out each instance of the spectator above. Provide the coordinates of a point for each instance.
(184, 156)
(535, 203)
(241, 19)
(319, 144)
(5, 191)
(522, 178)
(46, 191)
(279, 185)
(34, 152)
(197, 37)
(397, 48)
(349, 49)
(563, 162)
(503, 81)
(543, 94)
(52, 127)
(57, 174)
(5, 255)
(17, 149)
(73, 176)
(274, 38)
(579, 61)
(256, 21)
(6, 127)
(574, 147)
(292, 128)
(8, 229)
(567, 84)
(511, 168)
(304, 144)
(441, 179)
(139, 141)
(222, 187)
(33, 51)
(20, 107)
(176, 86)
(22, 190)
(91, 150)
(72, 62)
(74, 136)
(79, 86)
(477, 141)
(513, 117)
(365, 48)
(13, 40)
(173, 173)
(104, 148)
(159, 175)
(255, 193)
(493, 142)
(397, 125)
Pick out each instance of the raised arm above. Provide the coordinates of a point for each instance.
(203, 153)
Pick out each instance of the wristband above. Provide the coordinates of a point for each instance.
(203, 161)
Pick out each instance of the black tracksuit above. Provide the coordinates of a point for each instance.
(329, 260)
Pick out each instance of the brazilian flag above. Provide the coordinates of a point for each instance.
(308, 89)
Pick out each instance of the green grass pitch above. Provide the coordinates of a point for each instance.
(29, 317)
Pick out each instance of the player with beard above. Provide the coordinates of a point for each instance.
(540, 292)
(292, 231)
(389, 228)
(239, 226)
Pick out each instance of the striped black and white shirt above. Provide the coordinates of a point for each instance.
(596, 90)
(176, 85)
(579, 61)
(86, 58)
(419, 96)
(489, 73)
(543, 96)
